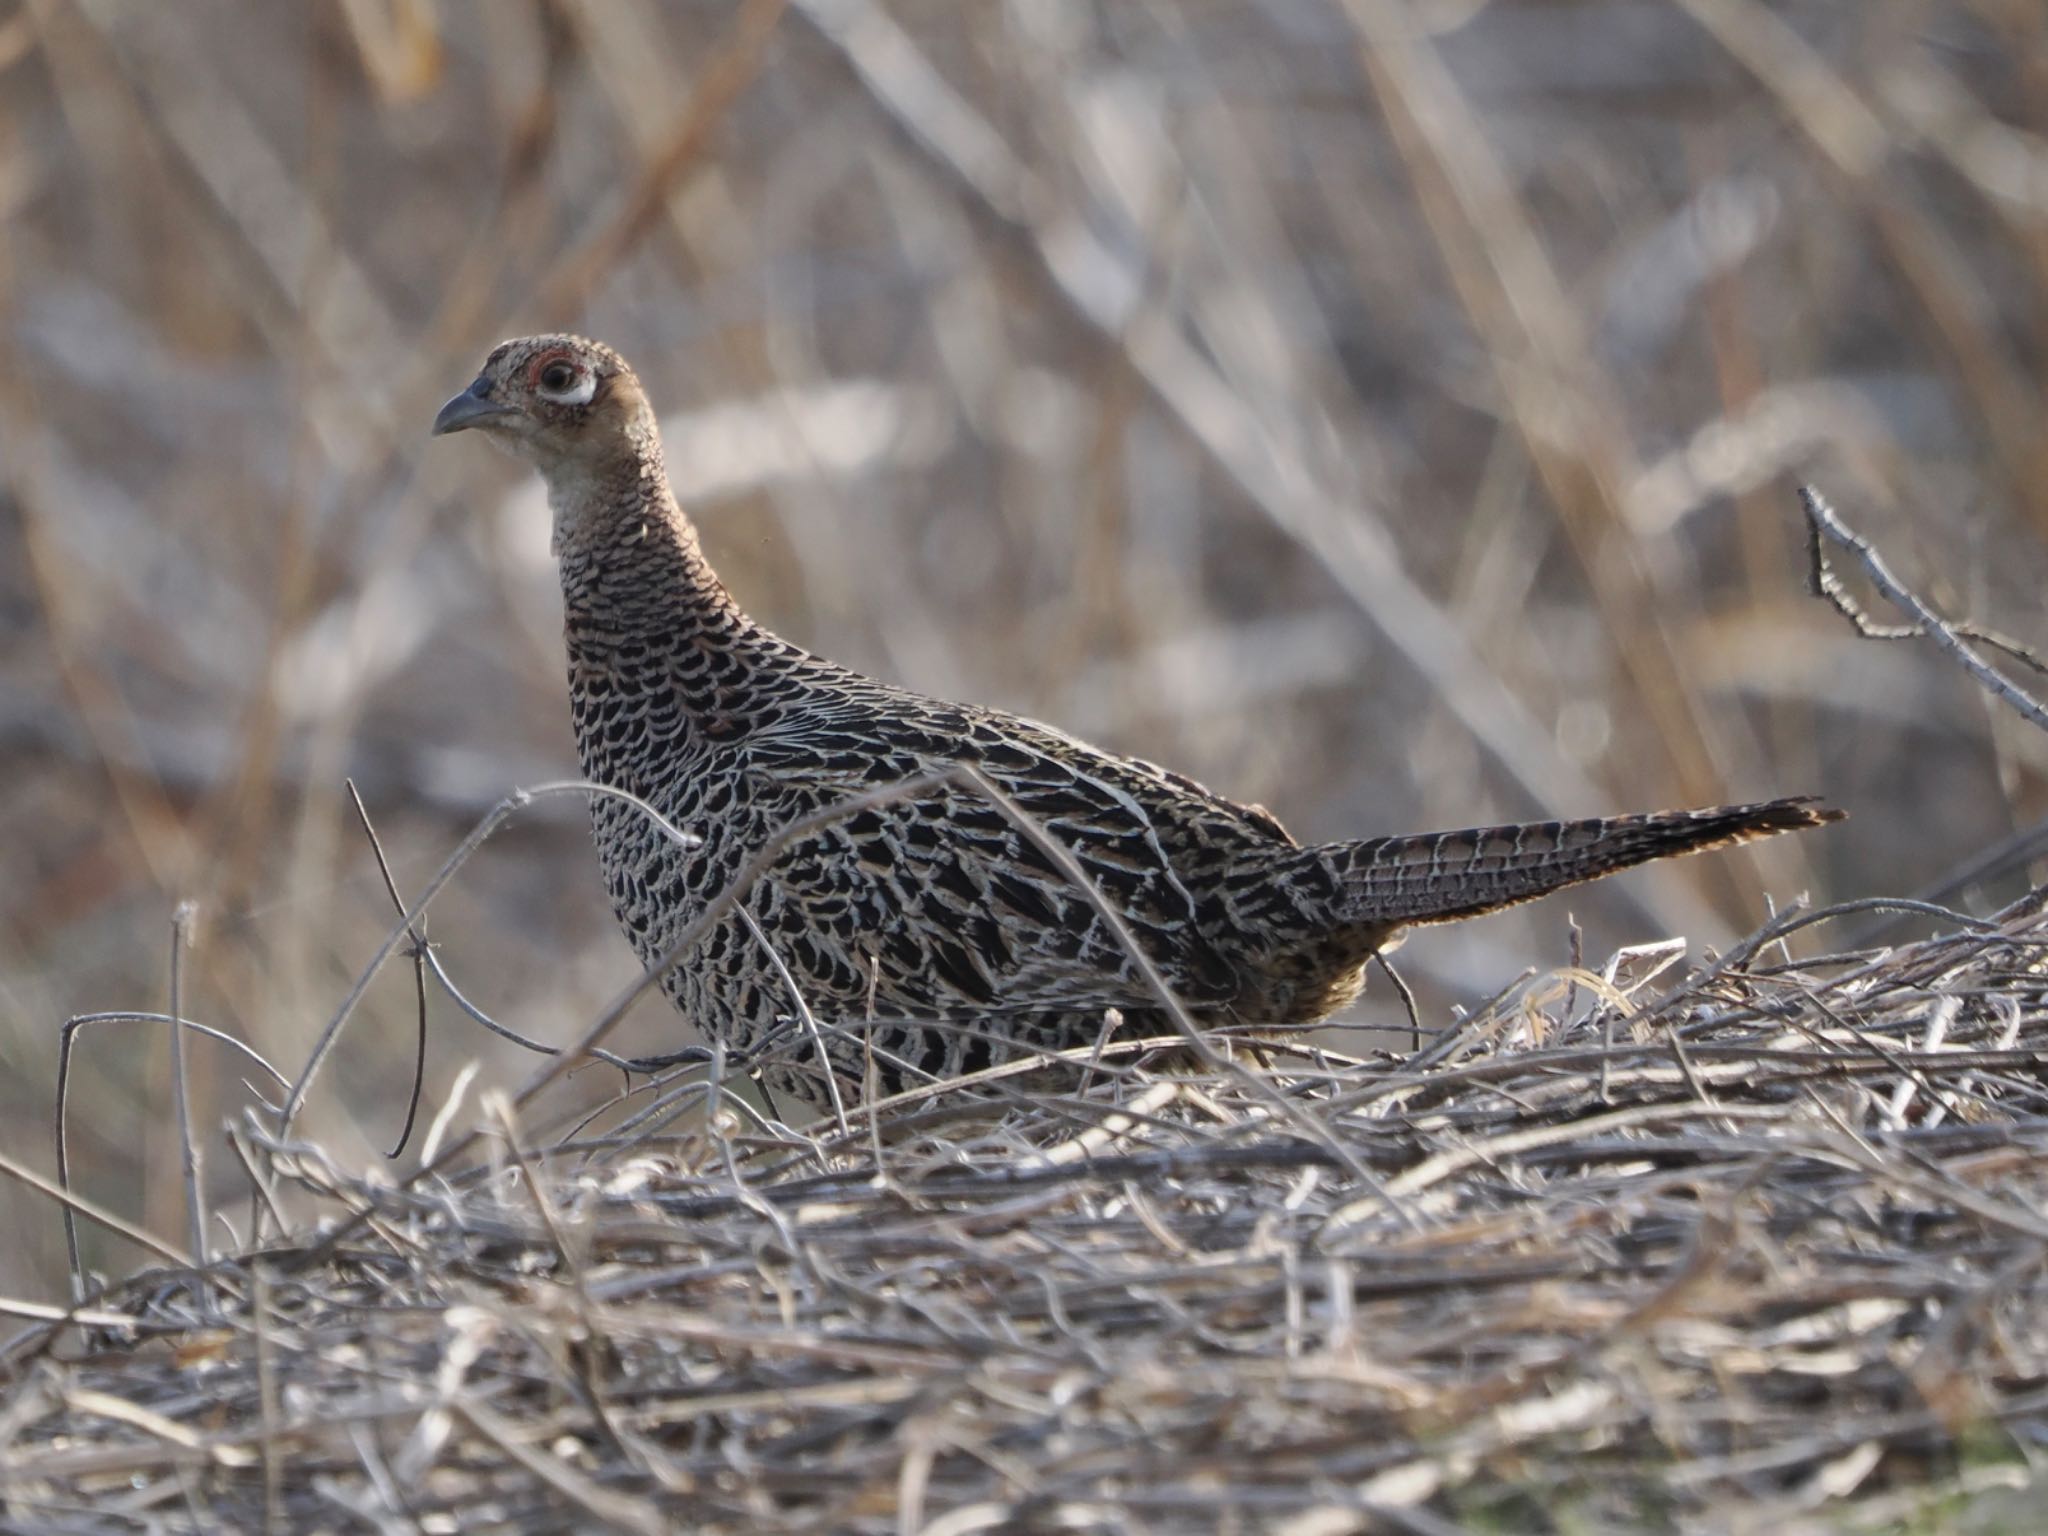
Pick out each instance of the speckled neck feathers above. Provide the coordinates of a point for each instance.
(628, 553)
(646, 619)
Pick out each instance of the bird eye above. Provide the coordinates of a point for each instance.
(562, 380)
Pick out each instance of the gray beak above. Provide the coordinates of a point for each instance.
(474, 407)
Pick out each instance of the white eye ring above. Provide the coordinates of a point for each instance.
(581, 390)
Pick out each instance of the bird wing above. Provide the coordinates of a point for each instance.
(949, 903)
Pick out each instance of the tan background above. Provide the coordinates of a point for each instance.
(1397, 430)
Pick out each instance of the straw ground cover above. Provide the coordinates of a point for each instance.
(1763, 1246)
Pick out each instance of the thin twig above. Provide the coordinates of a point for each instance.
(181, 1087)
(1822, 522)
(418, 952)
(66, 1037)
(1379, 957)
(408, 922)
(94, 1213)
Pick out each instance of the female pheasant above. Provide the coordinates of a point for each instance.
(929, 931)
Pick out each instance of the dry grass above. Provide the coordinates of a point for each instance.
(1764, 1249)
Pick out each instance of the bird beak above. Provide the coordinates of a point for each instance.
(474, 407)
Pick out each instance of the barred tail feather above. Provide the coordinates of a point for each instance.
(1437, 877)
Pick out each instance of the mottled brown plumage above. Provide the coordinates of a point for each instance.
(929, 928)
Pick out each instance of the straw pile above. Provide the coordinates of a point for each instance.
(1764, 1247)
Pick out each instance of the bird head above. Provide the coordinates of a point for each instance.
(566, 405)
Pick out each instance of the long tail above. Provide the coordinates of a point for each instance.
(1439, 876)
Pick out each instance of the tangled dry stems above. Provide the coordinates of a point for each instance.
(1765, 1246)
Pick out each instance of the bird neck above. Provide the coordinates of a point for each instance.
(631, 561)
(662, 661)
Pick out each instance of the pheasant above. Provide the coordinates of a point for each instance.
(927, 935)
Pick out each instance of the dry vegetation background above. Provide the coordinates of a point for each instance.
(1399, 433)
